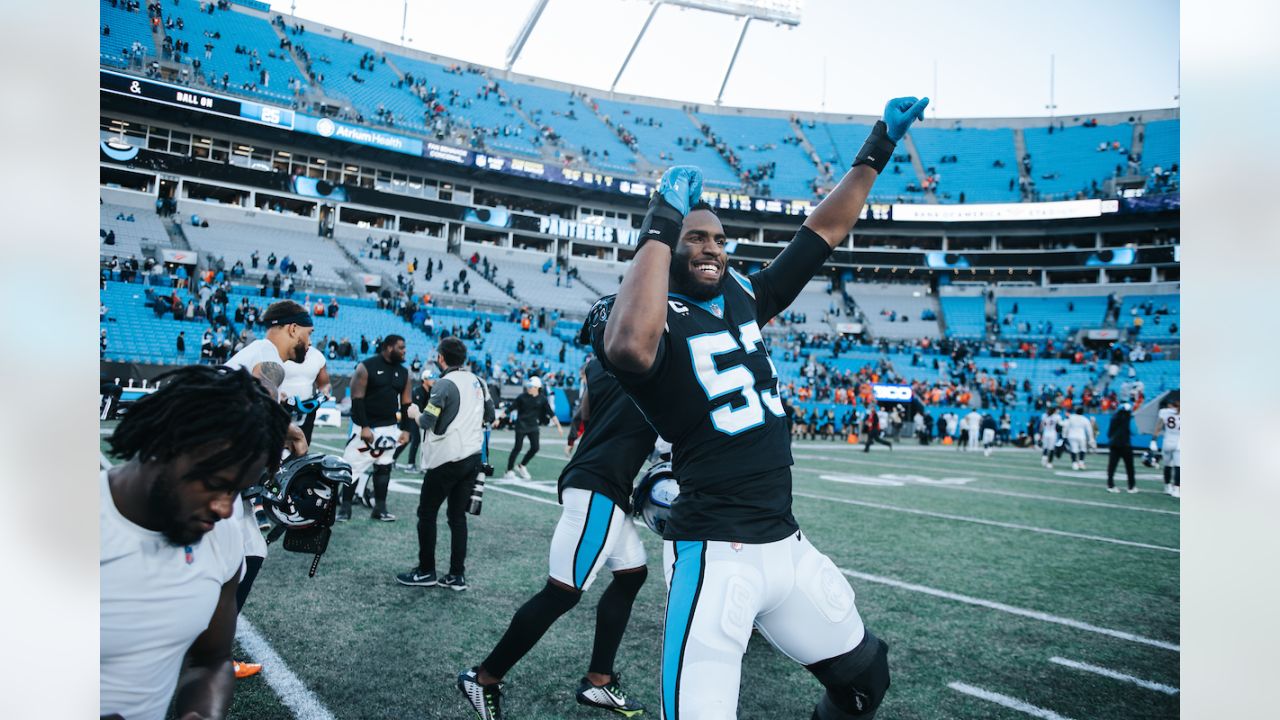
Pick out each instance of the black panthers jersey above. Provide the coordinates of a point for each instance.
(713, 393)
(614, 445)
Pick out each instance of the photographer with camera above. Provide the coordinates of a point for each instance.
(454, 420)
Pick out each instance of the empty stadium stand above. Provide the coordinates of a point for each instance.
(572, 118)
(234, 234)
(895, 311)
(965, 315)
(535, 278)
(1048, 317)
(135, 228)
(1069, 160)
(763, 140)
(499, 111)
(121, 28)
(225, 31)
(666, 130)
(976, 152)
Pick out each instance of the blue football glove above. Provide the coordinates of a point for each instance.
(899, 113)
(681, 186)
(678, 190)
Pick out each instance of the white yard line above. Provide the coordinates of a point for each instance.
(1028, 496)
(1006, 701)
(293, 692)
(1106, 672)
(954, 469)
(1012, 610)
(993, 523)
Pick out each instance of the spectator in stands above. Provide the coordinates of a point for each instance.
(181, 342)
(254, 259)
(271, 261)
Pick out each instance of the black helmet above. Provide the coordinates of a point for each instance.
(304, 490)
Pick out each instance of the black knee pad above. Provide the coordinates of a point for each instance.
(1168, 474)
(551, 602)
(855, 681)
(630, 582)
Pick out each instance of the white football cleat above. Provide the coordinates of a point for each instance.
(1113, 489)
(1177, 491)
(1133, 490)
(510, 475)
(523, 472)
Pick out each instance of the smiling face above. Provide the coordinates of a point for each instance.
(699, 264)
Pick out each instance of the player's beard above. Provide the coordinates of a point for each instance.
(683, 281)
(162, 502)
(300, 352)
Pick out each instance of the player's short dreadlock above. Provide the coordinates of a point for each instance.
(200, 406)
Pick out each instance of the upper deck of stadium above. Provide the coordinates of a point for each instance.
(242, 49)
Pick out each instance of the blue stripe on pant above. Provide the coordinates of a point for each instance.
(682, 599)
(594, 533)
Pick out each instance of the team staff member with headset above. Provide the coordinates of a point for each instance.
(454, 420)
(380, 397)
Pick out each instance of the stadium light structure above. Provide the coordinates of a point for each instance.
(781, 12)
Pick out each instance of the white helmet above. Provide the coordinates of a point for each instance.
(654, 494)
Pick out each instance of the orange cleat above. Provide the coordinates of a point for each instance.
(245, 669)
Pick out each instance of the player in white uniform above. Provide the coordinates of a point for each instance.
(1079, 434)
(170, 556)
(1170, 426)
(1048, 436)
(305, 386)
(973, 429)
(288, 338)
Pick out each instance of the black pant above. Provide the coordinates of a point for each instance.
(309, 425)
(452, 482)
(252, 564)
(875, 436)
(515, 451)
(415, 439)
(1116, 455)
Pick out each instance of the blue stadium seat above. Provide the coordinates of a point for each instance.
(760, 140)
(972, 173)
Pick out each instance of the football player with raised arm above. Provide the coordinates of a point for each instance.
(683, 337)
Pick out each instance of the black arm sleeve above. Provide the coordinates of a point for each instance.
(778, 285)
(357, 412)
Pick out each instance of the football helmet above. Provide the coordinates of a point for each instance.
(305, 490)
(654, 494)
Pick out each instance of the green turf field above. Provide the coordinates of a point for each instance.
(1005, 590)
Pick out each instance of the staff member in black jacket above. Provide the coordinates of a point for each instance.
(530, 408)
(1121, 448)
